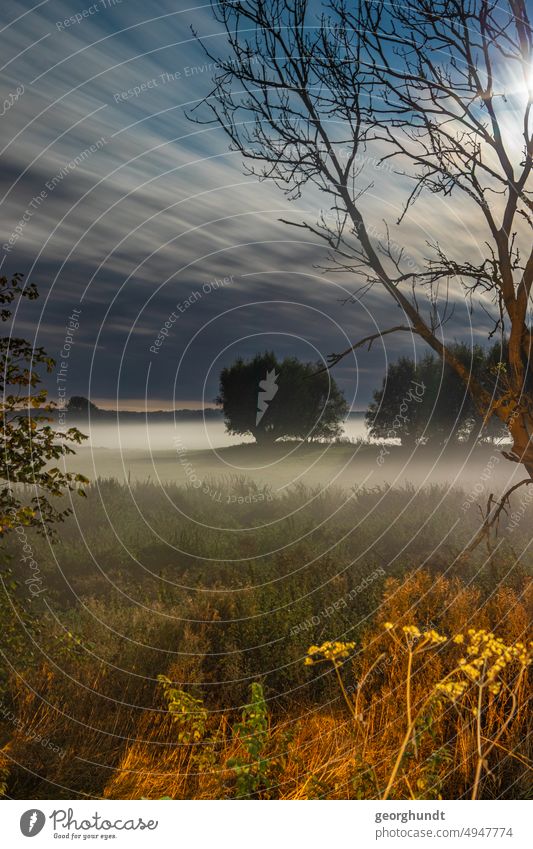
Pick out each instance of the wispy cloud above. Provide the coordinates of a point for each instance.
(161, 206)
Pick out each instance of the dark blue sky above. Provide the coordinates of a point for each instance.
(117, 205)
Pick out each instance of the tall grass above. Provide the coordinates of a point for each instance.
(394, 732)
(148, 582)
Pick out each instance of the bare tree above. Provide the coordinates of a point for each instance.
(442, 91)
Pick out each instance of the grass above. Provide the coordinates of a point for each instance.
(369, 586)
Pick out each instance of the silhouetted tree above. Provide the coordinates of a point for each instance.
(394, 413)
(271, 399)
(29, 444)
(426, 401)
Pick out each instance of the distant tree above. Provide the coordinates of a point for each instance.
(386, 417)
(427, 400)
(271, 399)
(79, 404)
(29, 443)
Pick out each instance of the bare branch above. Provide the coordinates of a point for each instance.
(492, 514)
(333, 359)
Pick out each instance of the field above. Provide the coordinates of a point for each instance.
(250, 638)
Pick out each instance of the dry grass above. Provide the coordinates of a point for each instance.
(113, 750)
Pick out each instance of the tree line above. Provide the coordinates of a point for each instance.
(419, 402)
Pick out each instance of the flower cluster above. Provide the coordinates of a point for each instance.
(486, 657)
(332, 651)
(415, 635)
(452, 689)
(433, 637)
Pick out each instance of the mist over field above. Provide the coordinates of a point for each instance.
(191, 453)
(195, 436)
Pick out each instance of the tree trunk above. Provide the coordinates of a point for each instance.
(264, 437)
(521, 430)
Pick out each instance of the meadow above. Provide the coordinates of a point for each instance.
(232, 640)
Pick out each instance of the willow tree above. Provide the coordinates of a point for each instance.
(442, 93)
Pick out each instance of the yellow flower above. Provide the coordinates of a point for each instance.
(459, 638)
(434, 637)
(388, 626)
(328, 651)
(411, 631)
(452, 689)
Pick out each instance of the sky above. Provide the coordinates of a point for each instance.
(158, 261)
